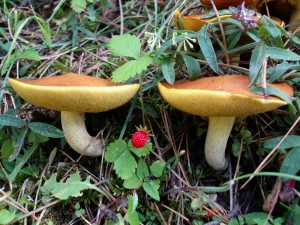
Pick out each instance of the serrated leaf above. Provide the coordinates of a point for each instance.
(78, 5)
(10, 120)
(142, 169)
(151, 189)
(131, 68)
(207, 48)
(114, 150)
(72, 187)
(168, 70)
(125, 45)
(46, 130)
(192, 66)
(256, 61)
(141, 151)
(157, 168)
(133, 182)
(6, 216)
(291, 163)
(283, 54)
(125, 165)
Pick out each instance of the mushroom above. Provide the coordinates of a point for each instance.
(223, 100)
(73, 95)
(194, 22)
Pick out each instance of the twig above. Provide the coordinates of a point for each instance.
(122, 18)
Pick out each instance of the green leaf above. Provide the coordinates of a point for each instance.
(207, 48)
(168, 70)
(252, 217)
(141, 151)
(72, 187)
(157, 168)
(133, 182)
(30, 54)
(290, 141)
(78, 5)
(192, 65)
(125, 45)
(10, 57)
(133, 219)
(131, 68)
(280, 69)
(6, 216)
(46, 130)
(132, 203)
(283, 54)
(114, 150)
(152, 189)
(273, 91)
(256, 61)
(125, 165)
(46, 30)
(7, 149)
(142, 169)
(12, 121)
(291, 163)
(233, 39)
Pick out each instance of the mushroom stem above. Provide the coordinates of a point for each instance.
(73, 125)
(219, 129)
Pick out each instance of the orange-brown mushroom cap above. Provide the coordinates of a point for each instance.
(74, 92)
(220, 96)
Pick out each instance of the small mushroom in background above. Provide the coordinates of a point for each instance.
(223, 100)
(73, 95)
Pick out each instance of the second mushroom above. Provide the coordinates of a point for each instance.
(223, 100)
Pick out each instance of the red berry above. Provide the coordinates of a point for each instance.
(139, 139)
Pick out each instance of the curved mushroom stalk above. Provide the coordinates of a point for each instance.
(219, 129)
(73, 125)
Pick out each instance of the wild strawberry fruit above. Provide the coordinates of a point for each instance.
(139, 139)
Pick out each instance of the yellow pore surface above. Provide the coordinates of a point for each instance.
(221, 96)
(74, 92)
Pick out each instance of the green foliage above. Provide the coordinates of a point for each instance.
(62, 190)
(128, 46)
(256, 218)
(6, 216)
(79, 5)
(135, 173)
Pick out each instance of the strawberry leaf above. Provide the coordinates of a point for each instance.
(141, 151)
(125, 45)
(125, 165)
(152, 189)
(114, 150)
(132, 68)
